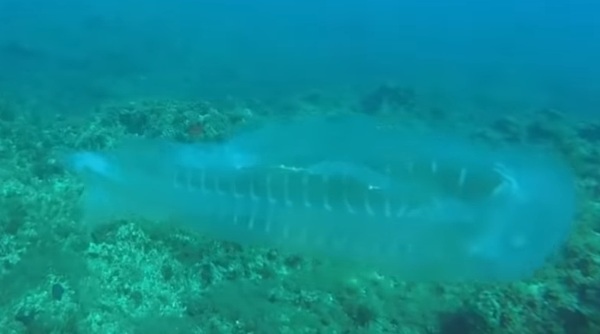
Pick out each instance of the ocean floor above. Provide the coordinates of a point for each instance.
(56, 276)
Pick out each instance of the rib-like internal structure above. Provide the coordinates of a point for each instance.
(409, 204)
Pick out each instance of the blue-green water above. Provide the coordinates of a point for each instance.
(478, 55)
(92, 76)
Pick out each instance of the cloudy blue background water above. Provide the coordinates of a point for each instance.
(489, 56)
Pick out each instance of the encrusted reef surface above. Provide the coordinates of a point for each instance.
(146, 277)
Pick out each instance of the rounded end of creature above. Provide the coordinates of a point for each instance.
(86, 162)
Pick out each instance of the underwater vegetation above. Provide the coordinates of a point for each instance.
(138, 275)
